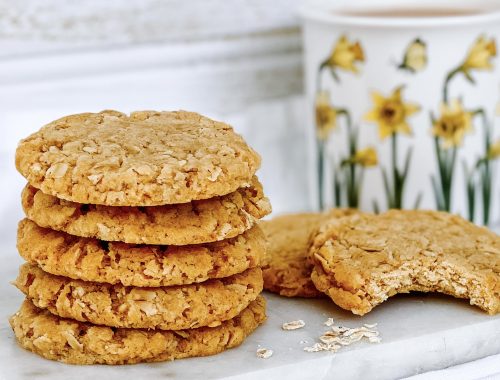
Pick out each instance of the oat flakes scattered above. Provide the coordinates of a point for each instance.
(264, 353)
(293, 325)
(338, 336)
(329, 322)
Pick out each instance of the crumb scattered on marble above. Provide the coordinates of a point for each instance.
(317, 347)
(303, 342)
(339, 336)
(264, 353)
(329, 322)
(293, 325)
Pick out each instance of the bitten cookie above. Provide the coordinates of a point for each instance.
(165, 308)
(146, 158)
(362, 260)
(74, 342)
(195, 222)
(287, 270)
(137, 265)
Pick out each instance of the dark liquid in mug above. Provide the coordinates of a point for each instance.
(406, 12)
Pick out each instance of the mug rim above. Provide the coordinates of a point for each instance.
(326, 12)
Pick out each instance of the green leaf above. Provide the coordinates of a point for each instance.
(469, 77)
(334, 75)
(486, 178)
(439, 156)
(409, 154)
(418, 200)
(387, 187)
(337, 187)
(437, 194)
(320, 169)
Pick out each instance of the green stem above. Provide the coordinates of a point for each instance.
(359, 186)
(486, 193)
(395, 173)
(470, 190)
(450, 167)
(351, 171)
(320, 144)
(449, 77)
(438, 186)
(337, 188)
(320, 168)
(318, 76)
(487, 174)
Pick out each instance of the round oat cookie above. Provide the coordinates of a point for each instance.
(137, 265)
(165, 308)
(195, 222)
(287, 270)
(362, 260)
(146, 158)
(74, 342)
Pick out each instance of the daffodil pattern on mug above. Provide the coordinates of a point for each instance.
(391, 113)
(453, 123)
(326, 115)
(415, 56)
(346, 55)
(452, 120)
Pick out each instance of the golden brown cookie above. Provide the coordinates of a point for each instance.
(287, 271)
(165, 308)
(137, 265)
(362, 260)
(74, 342)
(195, 222)
(146, 158)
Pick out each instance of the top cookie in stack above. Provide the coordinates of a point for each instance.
(180, 185)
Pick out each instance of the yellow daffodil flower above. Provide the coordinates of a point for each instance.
(494, 152)
(391, 113)
(415, 58)
(346, 54)
(453, 124)
(480, 55)
(326, 115)
(366, 157)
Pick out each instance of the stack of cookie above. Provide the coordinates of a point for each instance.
(140, 239)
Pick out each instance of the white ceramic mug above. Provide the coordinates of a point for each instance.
(404, 99)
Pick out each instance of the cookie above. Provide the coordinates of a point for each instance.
(287, 271)
(75, 342)
(166, 308)
(146, 158)
(195, 222)
(362, 260)
(137, 265)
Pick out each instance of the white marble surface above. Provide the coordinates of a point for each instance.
(419, 333)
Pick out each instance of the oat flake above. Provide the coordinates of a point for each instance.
(264, 353)
(293, 325)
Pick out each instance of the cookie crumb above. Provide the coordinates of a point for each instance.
(264, 353)
(317, 347)
(329, 322)
(339, 336)
(293, 325)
